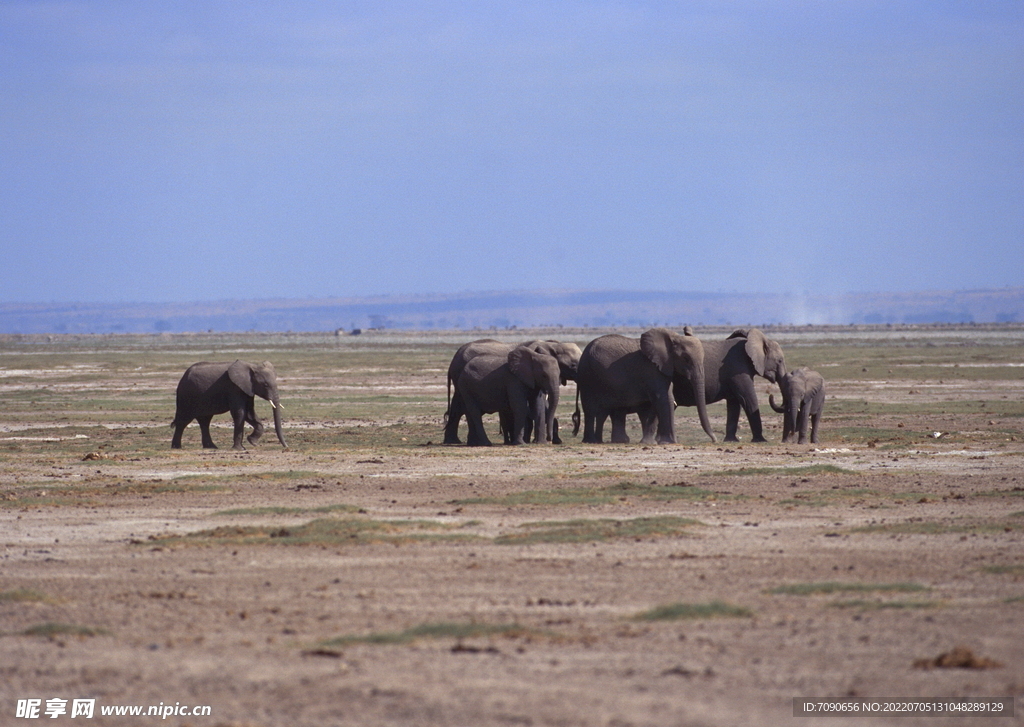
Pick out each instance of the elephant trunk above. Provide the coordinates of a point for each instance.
(277, 421)
(702, 405)
(771, 402)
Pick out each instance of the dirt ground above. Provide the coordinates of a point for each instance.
(369, 576)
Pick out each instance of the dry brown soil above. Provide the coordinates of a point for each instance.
(369, 576)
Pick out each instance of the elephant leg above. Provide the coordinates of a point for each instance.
(507, 425)
(592, 429)
(555, 439)
(239, 417)
(455, 413)
(665, 412)
(599, 420)
(520, 415)
(802, 421)
(257, 425)
(529, 430)
(588, 427)
(476, 436)
(732, 419)
(204, 429)
(619, 435)
(815, 416)
(179, 429)
(754, 417)
(537, 420)
(748, 400)
(648, 425)
(787, 426)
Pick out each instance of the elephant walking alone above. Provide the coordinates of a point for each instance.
(619, 376)
(803, 398)
(729, 369)
(207, 389)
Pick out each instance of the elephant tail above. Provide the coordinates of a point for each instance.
(448, 411)
(771, 402)
(576, 415)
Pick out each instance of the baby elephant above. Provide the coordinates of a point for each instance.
(803, 398)
(207, 389)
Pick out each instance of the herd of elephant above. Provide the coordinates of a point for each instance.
(615, 376)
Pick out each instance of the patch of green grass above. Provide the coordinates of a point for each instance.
(11, 500)
(1016, 569)
(95, 492)
(932, 528)
(814, 469)
(588, 531)
(1014, 492)
(879, 437)
(325, 532)
(23, 595)
(822, 498)
(595, 473)
(271, 476)
(809, 589)
(286, 510)
(443, 630)
(676, 611)
(598, 495)
(53, 629)
(878, 605)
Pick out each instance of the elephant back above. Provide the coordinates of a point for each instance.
(469, 351)
(480, 367)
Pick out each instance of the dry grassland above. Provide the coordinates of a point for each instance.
(370, 576)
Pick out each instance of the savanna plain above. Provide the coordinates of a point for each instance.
(368, 575)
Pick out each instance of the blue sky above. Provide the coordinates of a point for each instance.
(213, 150)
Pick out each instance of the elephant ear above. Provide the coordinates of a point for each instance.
(655, 346)
(755, 348)
(240, 374)
(741, 333)
(521, 362)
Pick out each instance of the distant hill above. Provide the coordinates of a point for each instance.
(522, 309)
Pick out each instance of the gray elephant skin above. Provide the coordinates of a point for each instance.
(729, 369)
(803, 398)
(207, 389)
(566, 354)
(517, 386)
(618, 375)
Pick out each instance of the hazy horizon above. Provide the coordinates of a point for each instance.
(518, 309)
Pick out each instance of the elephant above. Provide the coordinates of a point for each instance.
(566, 354)
(803, 398)
(207, 389)
(729, 369)
(619, 375)
(518, 386)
